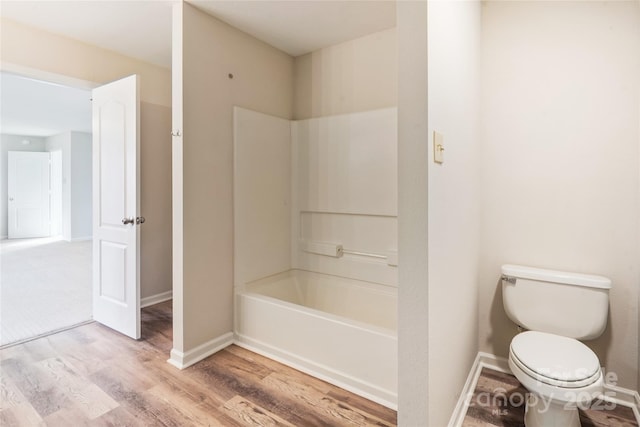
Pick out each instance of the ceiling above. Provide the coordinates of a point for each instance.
(299, 27)
(34, 108)
(142, 29)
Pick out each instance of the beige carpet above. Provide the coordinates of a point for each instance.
(45, 285)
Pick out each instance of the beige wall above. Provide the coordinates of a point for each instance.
(454, 201)
(48, 56)
(560, 160)
(439, 206)
(25, 47)
(357, 75)
(155, 199)
(262, 81)
(413, 154)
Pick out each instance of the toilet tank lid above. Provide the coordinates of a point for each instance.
(555, 276)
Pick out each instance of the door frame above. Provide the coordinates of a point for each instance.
(56, 202)
(60, 79)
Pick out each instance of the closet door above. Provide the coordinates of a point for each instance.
(28, 194)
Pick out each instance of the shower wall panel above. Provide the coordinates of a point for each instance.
(345, 193)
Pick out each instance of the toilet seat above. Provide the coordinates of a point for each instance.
(555, 360)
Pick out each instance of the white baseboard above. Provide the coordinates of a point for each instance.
(482, 360)
(183, 360)
(623, 396)
(81, 239)
(612, 393)
(323, 372)
(156, 299)
(491, 361)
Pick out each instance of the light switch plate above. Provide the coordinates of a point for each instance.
(438, 147)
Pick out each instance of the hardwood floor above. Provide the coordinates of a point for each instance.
(93, 376)
(497, 402)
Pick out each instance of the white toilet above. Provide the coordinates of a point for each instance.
(557, 309)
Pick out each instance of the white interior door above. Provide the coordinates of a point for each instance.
(28, 194)
(116, 207)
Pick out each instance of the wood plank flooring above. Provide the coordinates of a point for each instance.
(497, 401)
(93, 376)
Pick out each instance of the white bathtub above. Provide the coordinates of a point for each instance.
(340, 330)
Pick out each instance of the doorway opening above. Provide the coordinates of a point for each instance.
(46, 215)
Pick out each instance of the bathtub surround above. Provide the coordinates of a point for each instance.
(319, 195)
(344, 191)
(262, 195)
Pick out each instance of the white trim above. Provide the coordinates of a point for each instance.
(82, 239)
(156, 299)
(361, 388)
(47, 76)
(464, 399)
(177, 178)
(482, 360)
(491, 361)
(623, 396)
(183, 360)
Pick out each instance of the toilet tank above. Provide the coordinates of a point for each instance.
(569, 304)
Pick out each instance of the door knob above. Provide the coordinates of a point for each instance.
(11, 199)
(126, 221)
(140, 220)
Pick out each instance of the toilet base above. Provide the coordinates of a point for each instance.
(539, 412)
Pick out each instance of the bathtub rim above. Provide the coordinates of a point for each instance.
(378, 287)
(241, 289)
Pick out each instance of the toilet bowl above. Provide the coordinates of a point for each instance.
(561, 375)
(557, 308)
